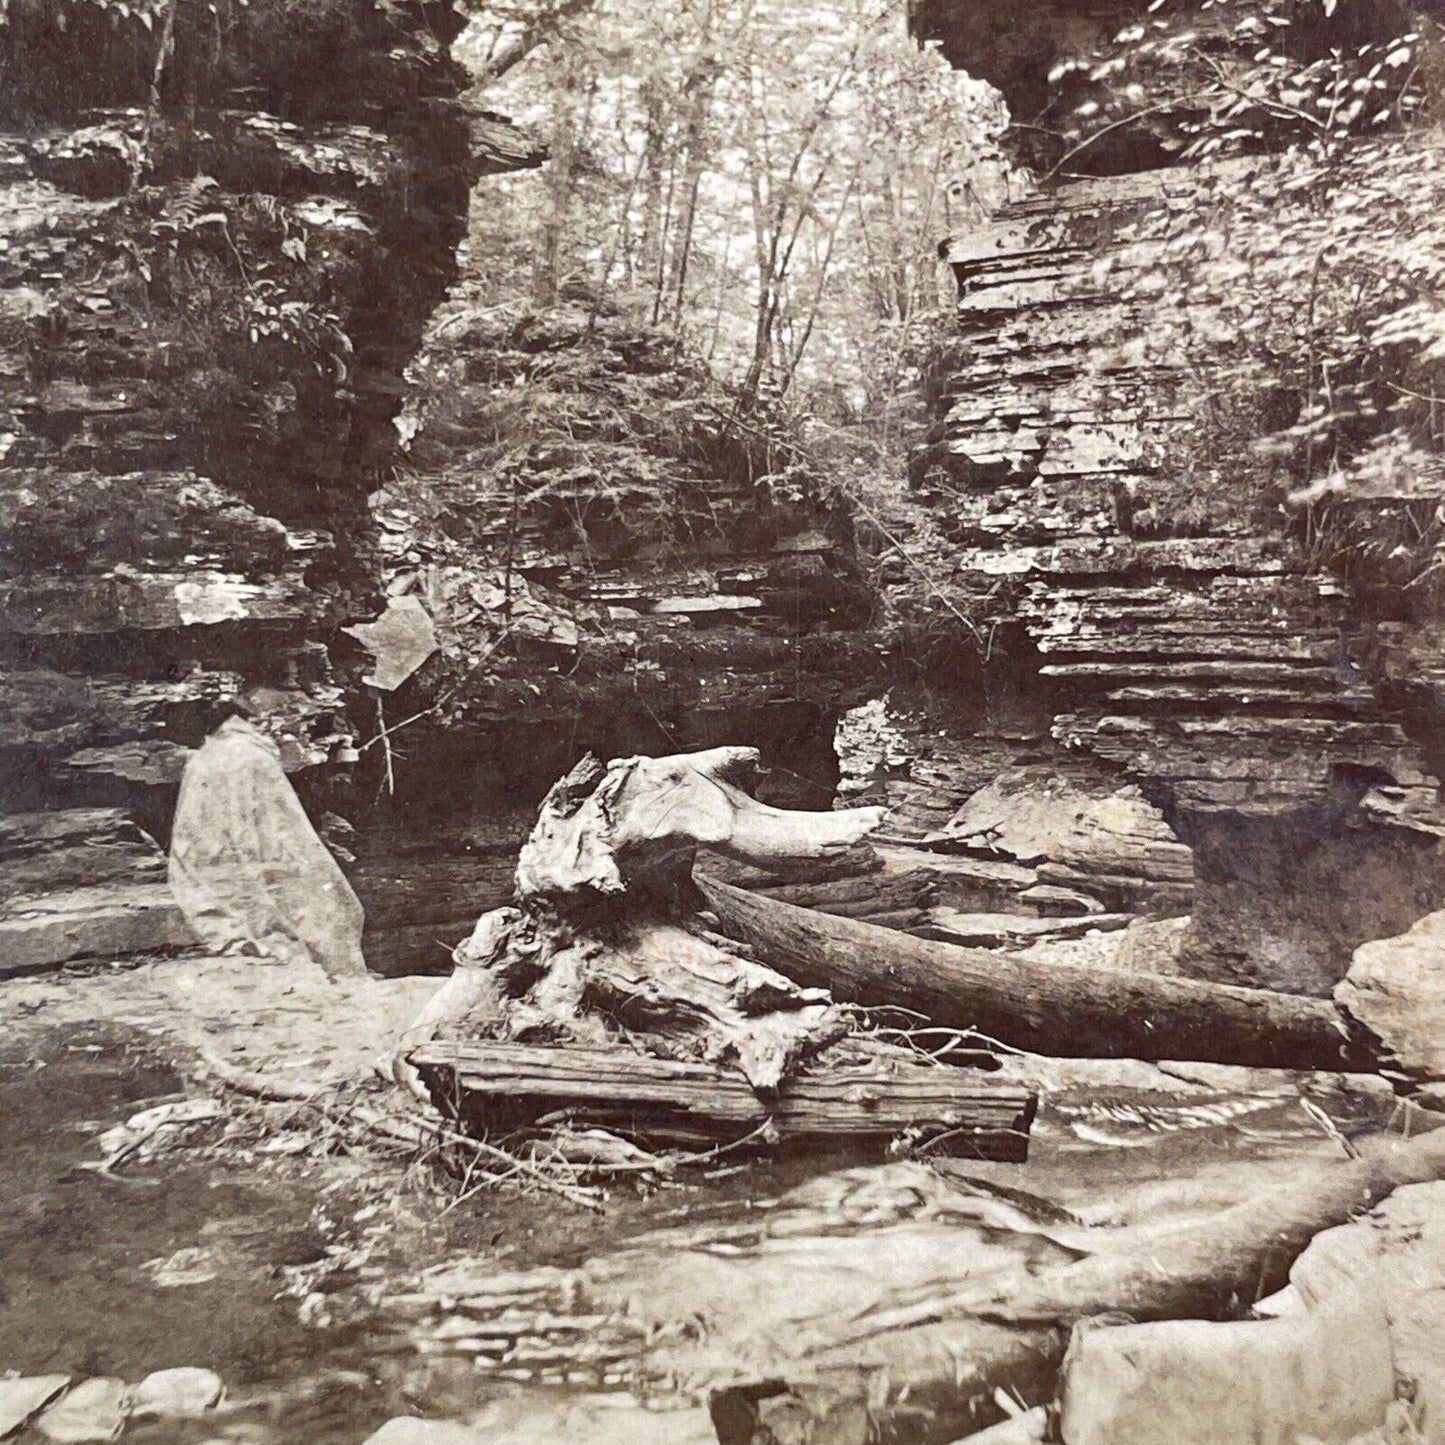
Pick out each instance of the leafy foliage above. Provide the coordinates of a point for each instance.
(588, 433)
(767, 182)
(182, 55)
(1200, 77)
(1309, 293)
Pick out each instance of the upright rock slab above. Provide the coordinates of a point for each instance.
(247, 867)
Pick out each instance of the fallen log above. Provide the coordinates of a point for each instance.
(498, 1088)
(874, 897)
(926, 1372)
(1046, 1008)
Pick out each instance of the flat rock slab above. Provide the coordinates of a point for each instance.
(109, 920)
(21, 1398)
(1323, 1376)
(529, 1418)
(400, 640)
(1005, 930)
(94, 1410)
(184, 1390)
(409, 1430)
(1029, 1428)
(595, 1419)
(1030, 816)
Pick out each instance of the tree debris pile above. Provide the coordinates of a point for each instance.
(649, 1020)
(614, 944)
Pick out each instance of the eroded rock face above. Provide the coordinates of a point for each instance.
(581, 509)
(1114, 844)
(1184, 634)
(222, 229)
(221, 243)
(1017, 49)
(611, 565)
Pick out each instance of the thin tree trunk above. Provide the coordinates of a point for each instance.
(700, 88)
(546, 264)
(820, 286)
(658, 280)
(517, 49)
(651, 171)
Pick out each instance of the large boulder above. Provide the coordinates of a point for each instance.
(1325, 1375)
(1396, 989)
(1361, 1324)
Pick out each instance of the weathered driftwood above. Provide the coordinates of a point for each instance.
(501, 1087)
(601, 827)
(926, 1372)
(604, 946)
(1054, 1008)
(534, 977)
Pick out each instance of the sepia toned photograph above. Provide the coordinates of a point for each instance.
(722, 722)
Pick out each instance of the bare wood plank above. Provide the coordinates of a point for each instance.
(501, 1086)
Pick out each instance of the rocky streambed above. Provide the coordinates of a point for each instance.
(333, 1289)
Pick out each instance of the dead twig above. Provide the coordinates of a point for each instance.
(415, 1132)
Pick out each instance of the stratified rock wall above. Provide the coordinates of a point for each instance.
(1186, 633)
(619, 539)
(222, 229)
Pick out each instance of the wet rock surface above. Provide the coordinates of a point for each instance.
(312, 1288)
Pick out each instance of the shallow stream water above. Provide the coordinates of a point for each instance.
(326, 1294)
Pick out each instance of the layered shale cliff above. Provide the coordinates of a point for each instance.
(1127, 673)
(222, 229)
(1264, 672)
(226, 230)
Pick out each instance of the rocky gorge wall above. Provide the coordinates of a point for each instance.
(1173, 622)
(221, 248)
(1120, 681)
(222, 229)
(613, 560)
